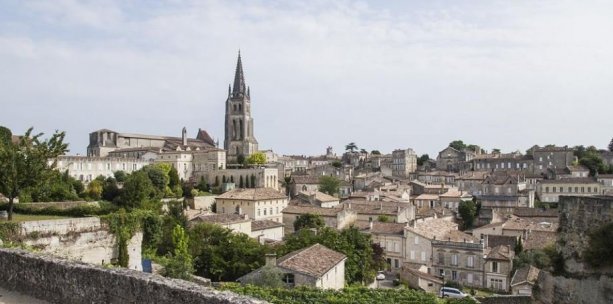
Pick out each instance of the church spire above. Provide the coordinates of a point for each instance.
(239, 78)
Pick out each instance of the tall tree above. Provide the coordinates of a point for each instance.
(351, 147)
(309, 221)
(26, 162)
(611, 145)
(329, 184)
(137, 189)
(458, 145)
(468, 212)
(422, 159)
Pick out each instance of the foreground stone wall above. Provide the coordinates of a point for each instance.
(61, 281)
(558, 289)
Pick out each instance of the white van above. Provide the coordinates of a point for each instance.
(448, 292)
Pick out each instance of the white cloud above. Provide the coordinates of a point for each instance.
(501, 74)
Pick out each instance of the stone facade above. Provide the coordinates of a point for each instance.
(404, 162)
(86, 168)
(239, 138)
(258, 204)
(460, 262)
(60, 281)
(550, 190)
(452, 160)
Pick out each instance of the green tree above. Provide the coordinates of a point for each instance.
(269, 276)
(253, 185)
(473, 148)
(468, 212)
(363, 151)
(257, 158)
(120, 176)
(611, 145)
(600, 251)
(519, 247)
(180, 264)
(221, 255)
(158, 176)
(241, 183)
(337, 164)
(362, 261)
(592, 160)
(458, 145)
(329, 184)
(383, 218)
(496, 150)
(309, 221)
(173, 178)
(137, 190)
(110, 191)
(422, 159)
(94, 189)
(351, 147)
(25, 163)
(375, 152)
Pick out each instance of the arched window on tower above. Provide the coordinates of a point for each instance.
(240, 122)
(240, 107)
(234, 129)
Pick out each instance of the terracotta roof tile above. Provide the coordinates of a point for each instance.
(252, 194)
(315, 260)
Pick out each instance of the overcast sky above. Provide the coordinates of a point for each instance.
(382, 74)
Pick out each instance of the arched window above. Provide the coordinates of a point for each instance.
(304, 188)
(240, 122)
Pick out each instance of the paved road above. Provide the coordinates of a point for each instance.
(11, 297)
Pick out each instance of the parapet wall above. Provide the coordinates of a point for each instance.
(61, 281)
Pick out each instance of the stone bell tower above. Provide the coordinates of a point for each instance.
(239, 139)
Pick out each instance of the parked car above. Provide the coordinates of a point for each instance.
(448, 292)
(380, 275)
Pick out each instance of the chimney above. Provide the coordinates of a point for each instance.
(370, 224)
(184, 136)
(271, 259)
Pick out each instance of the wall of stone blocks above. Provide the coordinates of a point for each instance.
(60, 281)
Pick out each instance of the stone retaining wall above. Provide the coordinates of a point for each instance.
(61, 281)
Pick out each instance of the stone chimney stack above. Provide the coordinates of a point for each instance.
(271, 259)
(184, 136)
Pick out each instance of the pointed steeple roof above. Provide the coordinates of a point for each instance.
(239, 78)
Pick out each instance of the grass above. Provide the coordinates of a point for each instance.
(30, 217)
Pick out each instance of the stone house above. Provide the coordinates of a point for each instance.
(316, 198)
(437, 177)
(257, 203)
(420, 279)
(418, 188)
(524, 279)
(267, 231)
(572, 171)
(498, 266)
(419, 236)
(390, 236)
(550, 190)
(459, 259)
(606, 180)
(239, 223)
(471, 182)
(452, 160)
(551, 157)
(502, 162)
(404, 162)
(314, 266)
(303, 183)
(397, 212)
(337, 218)
(535, 233)
(87, 168)
(427, 201)
(452, 198)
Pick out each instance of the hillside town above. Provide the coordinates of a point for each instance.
(492, 226)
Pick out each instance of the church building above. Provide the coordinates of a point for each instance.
(239, 140)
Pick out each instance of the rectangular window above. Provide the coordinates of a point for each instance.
(494, 266)
(416, 240)
(470, 261)
(396, 263)
(570, 189)
(589, 189)
(423, 256)
(454, 275)
(553, 189)
(454, 260)
(441, 258)
(412, 255)
(546, 189)
(469, 278)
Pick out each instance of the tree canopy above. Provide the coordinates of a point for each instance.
(257, 158)
(27, 162)
(422, 159)
(309, 221)
(351, 147)
(362, 262)
(468, 212)
(611, 145)
(329, 184)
